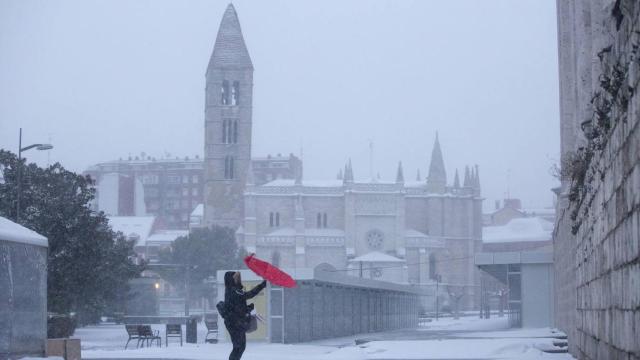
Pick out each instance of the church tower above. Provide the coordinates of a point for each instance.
(228, 106)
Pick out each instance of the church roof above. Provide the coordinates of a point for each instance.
(230, 49)
(376, 256)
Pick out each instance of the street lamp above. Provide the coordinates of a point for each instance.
(20, 150)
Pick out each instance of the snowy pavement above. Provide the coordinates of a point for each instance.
(467, 338)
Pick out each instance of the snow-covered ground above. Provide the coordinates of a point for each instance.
(469, 338)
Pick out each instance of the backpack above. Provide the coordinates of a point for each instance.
(223, 309)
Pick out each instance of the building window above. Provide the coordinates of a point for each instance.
(185, 191)
(224, 92)
(185, 179)
(229, 167)
(229, 131)
(173, 179)
(235, 131)
(235, 93)
(274, 219)
(194, 179)
(321, 220)
(194, 191)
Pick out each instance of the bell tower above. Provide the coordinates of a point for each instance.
(228, 107)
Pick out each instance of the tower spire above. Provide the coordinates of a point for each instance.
(230, 50)
(399, 174)
(437, 179)
(467, 177)
(456, 180)
(348, 173)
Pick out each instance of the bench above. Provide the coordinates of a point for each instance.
(212, 328)
(142, 334)
(173, 330)
(134, 334)
(149, 335)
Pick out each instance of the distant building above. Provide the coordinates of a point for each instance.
(423, 229)
(168, 189)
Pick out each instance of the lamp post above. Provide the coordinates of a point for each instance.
(20, 150)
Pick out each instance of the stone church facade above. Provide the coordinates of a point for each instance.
(402, 231)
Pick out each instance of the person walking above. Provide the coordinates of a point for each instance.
(238, 313)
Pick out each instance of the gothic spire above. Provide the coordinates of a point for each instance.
(348, 173)
(456, 180)
(230, 50)
(399, 174)
(467, 177)
(437, 179)
(299, 174)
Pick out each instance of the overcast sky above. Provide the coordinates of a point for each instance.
(108, 79)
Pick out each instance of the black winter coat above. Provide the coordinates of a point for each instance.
(236, 301)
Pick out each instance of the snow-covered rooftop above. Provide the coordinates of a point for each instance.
(10, 231)
(309, 183)
(414, 233)
(198, 211)
(324, 232)
(133, 226)
(520, 229)
(166, 236)
(376, 256)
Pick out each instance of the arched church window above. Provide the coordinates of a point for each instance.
(277, 219)
(319, 220)
(228, 167)
(235, 93)
(224, 130)
(235, 131)
(324, 220)
(432, 267)
(224, 92)
(271, 223)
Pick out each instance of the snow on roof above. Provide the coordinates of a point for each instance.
(308, 183)
(287, 231)
(414, 233)
(376, 256)
(324, 232)
(10, 231)
(198, 211)
(166, 236)
(133, 226)
(519, 229)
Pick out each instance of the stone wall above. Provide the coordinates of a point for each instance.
(596, 241)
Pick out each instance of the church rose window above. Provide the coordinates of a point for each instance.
(375, 239)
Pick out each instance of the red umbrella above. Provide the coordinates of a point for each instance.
(269, 272)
